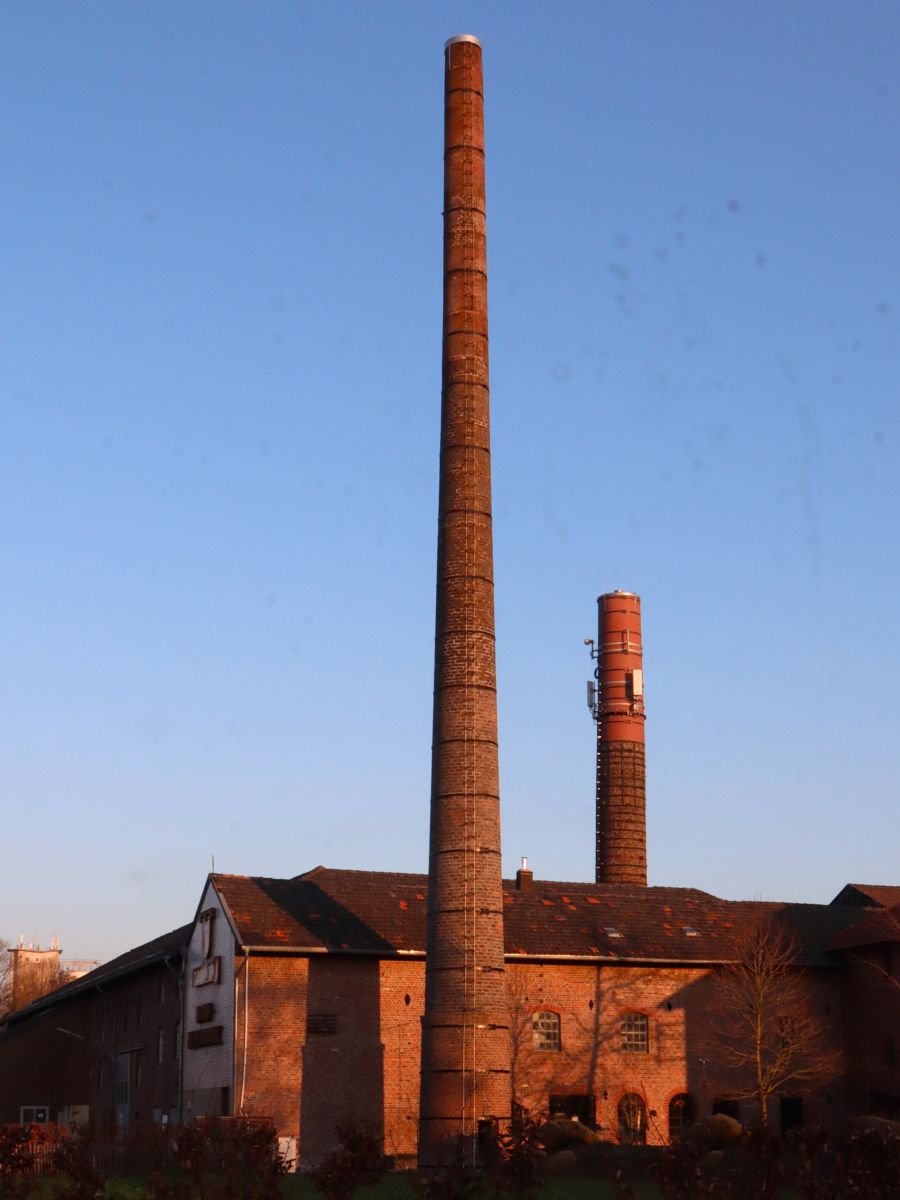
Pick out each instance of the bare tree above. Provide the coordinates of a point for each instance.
(765, 1029)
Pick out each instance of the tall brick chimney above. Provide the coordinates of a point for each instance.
(465, 1029)
(621, 772)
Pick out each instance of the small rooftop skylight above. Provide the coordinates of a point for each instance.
(610, 932)
(690, 931)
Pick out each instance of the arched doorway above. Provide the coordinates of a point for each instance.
(681, 1115)
(632, 1120)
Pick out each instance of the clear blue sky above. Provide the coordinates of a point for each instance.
(220, 379)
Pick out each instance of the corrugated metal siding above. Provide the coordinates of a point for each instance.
(210, 1066)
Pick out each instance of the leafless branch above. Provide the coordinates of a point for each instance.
(765, 1029)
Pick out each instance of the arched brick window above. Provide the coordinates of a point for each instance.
(635, 1033)
(545, 1030)
(681, 1115)
(632, 1120)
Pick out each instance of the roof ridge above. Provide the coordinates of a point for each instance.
(357, 871)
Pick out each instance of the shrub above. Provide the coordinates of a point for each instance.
(862, 1162)
(251, 1160)
(457, 1179)
(74, 1158)
(190, 1146)
(522, 1167)
(357, 1162)
(16, 1156)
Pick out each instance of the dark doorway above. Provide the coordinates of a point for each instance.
(681, 1115)
(728, 1107)
(583, 1108)
(791, 1113)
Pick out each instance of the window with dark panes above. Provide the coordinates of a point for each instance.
(545, 1030)
(635, 1033)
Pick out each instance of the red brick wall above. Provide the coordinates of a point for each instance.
(343, 1072)
(276, 993)
(871, 1006)
(309, 1079)
(401, 1033)
(680, 1005)
(368, 1068)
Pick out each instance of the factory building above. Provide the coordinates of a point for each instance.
(426, 1005)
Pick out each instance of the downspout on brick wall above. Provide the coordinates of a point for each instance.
(465, 1064)
(621, 766)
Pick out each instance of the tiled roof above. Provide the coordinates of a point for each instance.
(880, 895)
(880, 926)
(383, 912)
(333, 910)
(168, 945)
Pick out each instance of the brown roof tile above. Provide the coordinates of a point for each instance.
(877, 927)
(869, 895)
(385, 913)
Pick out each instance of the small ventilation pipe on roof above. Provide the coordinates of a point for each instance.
(524, 877)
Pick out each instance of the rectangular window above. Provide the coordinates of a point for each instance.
(138, 1068)
(176, 1042)
(160, 1044)
(206, 932)
(635, 1033)
(162, 989)
(139, 1010)
(545, 1033)
(34, 1114)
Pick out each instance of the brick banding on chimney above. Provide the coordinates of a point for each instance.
(465, 1028)
(621, 771)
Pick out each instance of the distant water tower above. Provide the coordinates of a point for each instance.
(616, 700)
(33, 972)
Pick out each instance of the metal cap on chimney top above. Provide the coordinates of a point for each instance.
(461, 37)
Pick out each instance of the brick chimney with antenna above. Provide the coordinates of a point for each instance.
(618, 705)
(465, 1029)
